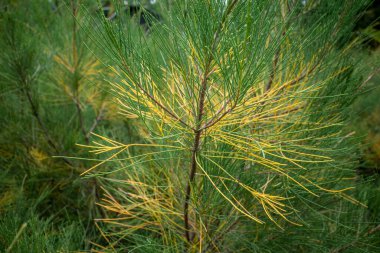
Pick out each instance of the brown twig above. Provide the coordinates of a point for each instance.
(370, 76)
(199, 117)
(74, 41)
(96, 121)
(277, 55)
(273, 72)
(193, 165)
(37, 116)
(213, 122)
(76, 98)
(80, 118)
(373, 230)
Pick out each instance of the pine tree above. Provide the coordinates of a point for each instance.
(242, 107)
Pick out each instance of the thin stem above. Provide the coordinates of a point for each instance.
(96, 121)
(75, 65)
(373, 230)
(217, 118)
(74, 42)
(193, 164)
(193, 168)
(199, 117)
(80, 118)
(277, 55)
(273, 72)
(37, 116)
(163, 107)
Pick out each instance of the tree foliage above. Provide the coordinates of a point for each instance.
(243, 106)
(212, 126)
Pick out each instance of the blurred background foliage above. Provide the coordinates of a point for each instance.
(52, 96)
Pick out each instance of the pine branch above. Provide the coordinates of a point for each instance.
(37, 116)
(199, 117)
(80, 118)
(273, 72)
(96, 121)
(76, 98)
